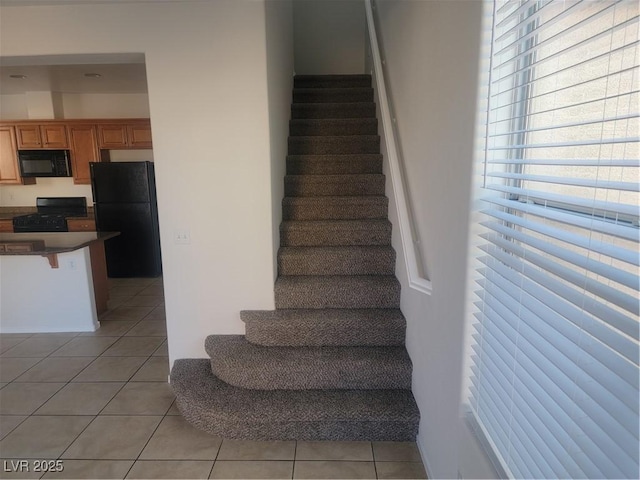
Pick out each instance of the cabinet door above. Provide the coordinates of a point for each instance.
(6, 225)
(112, 136)
(81, 224)
(84, 149)
(9, 172)
(139, 136)
(54, 136)
(28, 136)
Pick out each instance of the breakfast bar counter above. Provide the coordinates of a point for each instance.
(49, 243)
(63, 292)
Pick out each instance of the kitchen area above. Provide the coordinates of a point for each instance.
(77, 195)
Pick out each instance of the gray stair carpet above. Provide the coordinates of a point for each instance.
(333, 185)
(325, 327)
(220, 409)
(333, 126)
(335, 208)
(239, 363)
(339, 260)
(329, 363)
(335, 232)
(333, 164)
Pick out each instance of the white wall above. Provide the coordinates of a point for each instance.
(206, 71)
(329, 36)
(106, 105)
(431, 50)
(25, 195)
(279, 31)
(81, 105)
(13, 107)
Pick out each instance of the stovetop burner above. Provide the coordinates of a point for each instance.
(51, 216)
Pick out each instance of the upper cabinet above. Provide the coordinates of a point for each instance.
(84, 149)
(125, 135)
(9, 171)
(33, 136)
(87, 140)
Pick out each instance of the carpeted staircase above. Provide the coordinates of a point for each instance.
(329, 363)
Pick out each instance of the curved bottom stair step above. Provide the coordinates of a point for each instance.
(324, 327)
(242, 364)
(235, 413)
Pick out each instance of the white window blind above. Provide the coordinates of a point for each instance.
(555, 352)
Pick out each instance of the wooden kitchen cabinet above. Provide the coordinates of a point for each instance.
(9, 171)
(6, 225)
(83, 141)
(33, 136)
(139, 136)
(112, 136)
(81, 224)
(125, 135)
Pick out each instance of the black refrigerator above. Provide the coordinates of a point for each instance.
(124, 197)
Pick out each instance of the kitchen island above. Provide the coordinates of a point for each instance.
(52, 282)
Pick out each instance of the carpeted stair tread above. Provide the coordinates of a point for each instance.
(334, 144)
(243, 364)
(335, 208)
(297, 233)
(333, 110)
(334, 164)
(325, 327)
(331, 81)
(337, 260)
(334, 185)
(333, 126)
(220, 409)
(332, 94)
(352, 291)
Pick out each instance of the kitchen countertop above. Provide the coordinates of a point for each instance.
(52, 243)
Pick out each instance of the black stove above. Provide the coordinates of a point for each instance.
(52, 214)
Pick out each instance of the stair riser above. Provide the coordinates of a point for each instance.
(317, 328)
(332, 95)
(335, 296)
(293, 237)
(357, 376)
(343, 262)
(333, 110)
(333, 212)
(303, 186)
(310, 431)
(334, 145)
(356, 81)
(317, 127)
(321, 165)
(313, 334)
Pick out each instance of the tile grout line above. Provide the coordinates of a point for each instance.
(373, 457)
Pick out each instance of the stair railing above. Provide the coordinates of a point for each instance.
(406, 225)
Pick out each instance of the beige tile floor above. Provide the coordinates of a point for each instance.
(98, 404)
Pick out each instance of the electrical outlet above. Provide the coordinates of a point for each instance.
(182, 237)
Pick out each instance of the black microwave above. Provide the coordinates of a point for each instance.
(44, 163)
